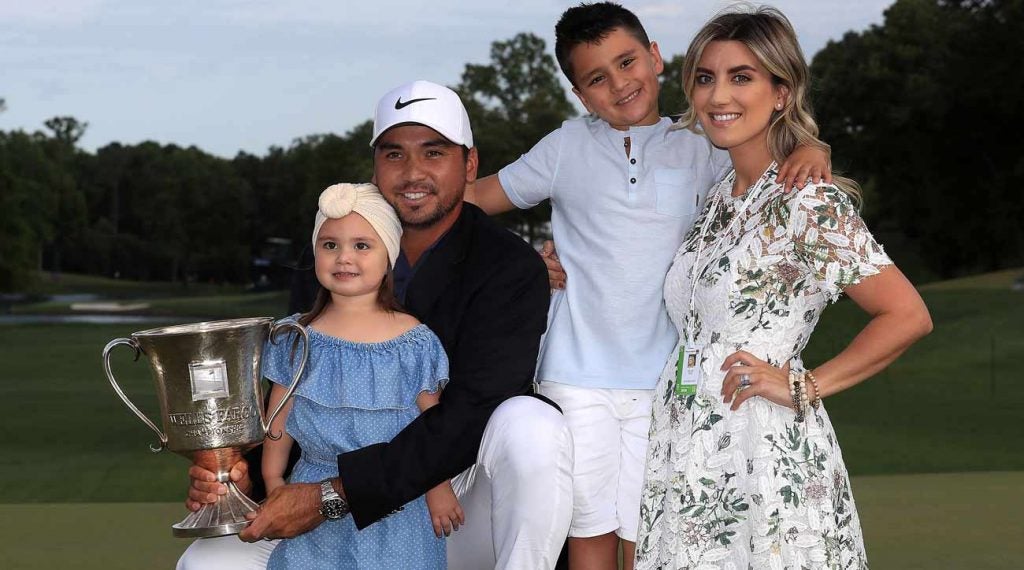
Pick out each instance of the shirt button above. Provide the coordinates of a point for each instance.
(632, 161)
(632, 180)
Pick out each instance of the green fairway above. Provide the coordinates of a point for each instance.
(75, 461)
(963, 521)
(1001, 280)
(85, 536)
(46, 283)
(161, 298)
(934, 522)
(62, 415)
(195, 306)
(952, 402)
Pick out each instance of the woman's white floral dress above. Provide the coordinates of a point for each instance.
(753, 488)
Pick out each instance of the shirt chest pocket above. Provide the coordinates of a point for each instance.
(676, 194)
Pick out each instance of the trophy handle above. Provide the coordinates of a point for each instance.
(298, 373)
(124, 397)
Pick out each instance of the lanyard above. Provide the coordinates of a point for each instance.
(712, 211)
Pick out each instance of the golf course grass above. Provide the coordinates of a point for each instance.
(949, 521)
(75, 466)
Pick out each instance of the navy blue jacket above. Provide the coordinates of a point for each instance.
(484, 292)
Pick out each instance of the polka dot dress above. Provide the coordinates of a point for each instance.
(353, 395)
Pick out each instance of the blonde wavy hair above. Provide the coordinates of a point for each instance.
(767, 33)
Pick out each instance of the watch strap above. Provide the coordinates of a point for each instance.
(332, 505)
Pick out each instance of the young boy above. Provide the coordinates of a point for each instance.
(624, 191)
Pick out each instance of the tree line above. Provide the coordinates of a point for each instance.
(924, 110)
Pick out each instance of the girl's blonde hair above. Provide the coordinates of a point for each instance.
(767, 33)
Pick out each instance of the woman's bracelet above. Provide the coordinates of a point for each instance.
(816, 402)
(805, 400)
(796, 393)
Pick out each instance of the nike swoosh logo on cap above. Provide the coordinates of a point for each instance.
(400, 105)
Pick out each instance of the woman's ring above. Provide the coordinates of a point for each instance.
(744, 380)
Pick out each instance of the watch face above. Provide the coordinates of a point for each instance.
(333, 509)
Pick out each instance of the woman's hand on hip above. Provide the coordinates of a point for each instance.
(750, 376)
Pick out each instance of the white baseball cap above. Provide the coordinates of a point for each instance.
(427, 104)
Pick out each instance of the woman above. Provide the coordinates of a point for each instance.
(743, 467)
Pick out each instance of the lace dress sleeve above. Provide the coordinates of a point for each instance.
(832, 241)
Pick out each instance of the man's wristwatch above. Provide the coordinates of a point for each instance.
(332, 506)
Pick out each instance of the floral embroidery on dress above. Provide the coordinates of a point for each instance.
(753, 488)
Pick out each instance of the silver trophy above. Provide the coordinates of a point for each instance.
(209, 384)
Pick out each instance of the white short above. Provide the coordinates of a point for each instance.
(609, 431)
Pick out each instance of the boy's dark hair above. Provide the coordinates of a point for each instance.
(589, 24)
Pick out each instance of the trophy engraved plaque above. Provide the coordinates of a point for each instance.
(209, 385)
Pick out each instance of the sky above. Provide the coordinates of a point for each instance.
(245, 75)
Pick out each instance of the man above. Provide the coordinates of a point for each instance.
(484, 293)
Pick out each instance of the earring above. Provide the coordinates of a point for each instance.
(778, 106)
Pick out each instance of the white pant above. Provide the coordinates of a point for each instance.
(610, 437)
(517, 499)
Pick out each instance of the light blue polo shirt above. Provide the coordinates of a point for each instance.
(617, 223)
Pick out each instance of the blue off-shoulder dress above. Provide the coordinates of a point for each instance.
(350, 396)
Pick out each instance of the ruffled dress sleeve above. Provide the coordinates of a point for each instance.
(430, 364)
(386, 375)
(832, 241)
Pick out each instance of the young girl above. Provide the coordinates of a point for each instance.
(371, 370)
(743, 468)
